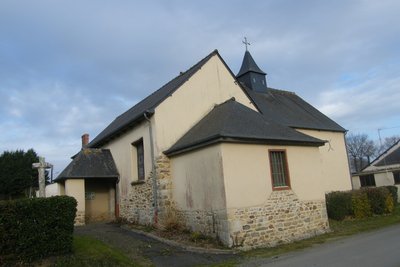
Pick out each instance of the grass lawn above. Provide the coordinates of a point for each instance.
(90, 252)
(339, 229)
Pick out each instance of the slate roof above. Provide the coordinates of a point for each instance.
(90, 163)
(135, 114)
(283, 107)
(248, 65)
(289, 109)
(234, 122)
(393, 157)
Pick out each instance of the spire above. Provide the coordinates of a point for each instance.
(251, 75)
(248, 65)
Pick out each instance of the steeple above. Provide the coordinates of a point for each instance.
(251, 75)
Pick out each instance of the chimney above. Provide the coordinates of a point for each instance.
(85, 140)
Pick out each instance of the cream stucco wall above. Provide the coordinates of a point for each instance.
(76, 188)
(101, 206)
(198, 180)
(124, 154)
(54, 190)
(211, 85)
(334, 161)
(248, 177)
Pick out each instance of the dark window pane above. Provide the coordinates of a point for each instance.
(367, 180)
(140, 159)
(396, 176)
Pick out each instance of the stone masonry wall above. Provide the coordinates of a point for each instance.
(283, 219)
(79, 218)
(210, 223)
(137, 207)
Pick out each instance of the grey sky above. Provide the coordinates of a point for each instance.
(69, 67)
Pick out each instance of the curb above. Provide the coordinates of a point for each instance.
(180, 245)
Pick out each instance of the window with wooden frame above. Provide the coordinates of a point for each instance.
(367, 180)
(396, 177)
(279, 169)
(139, 158)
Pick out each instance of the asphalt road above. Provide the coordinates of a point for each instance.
(147, 251)
(374, 249)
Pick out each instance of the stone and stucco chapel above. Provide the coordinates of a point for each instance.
(225, 154)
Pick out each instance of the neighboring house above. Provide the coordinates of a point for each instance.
(221, 154)
(384, 170)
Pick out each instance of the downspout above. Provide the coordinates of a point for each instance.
(153, 169)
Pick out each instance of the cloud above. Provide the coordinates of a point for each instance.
(69, 67)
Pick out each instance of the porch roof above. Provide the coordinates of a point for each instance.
(90, 163)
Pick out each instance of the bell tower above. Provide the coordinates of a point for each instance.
(250, 74)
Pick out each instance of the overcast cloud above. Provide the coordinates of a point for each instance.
(70, 67)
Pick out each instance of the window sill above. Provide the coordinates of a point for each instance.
(280, 188)
(137, 182)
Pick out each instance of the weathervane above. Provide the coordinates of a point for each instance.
(245, 42)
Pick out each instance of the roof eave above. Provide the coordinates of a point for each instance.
(239, 140)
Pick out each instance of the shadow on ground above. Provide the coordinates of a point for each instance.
(147, 251)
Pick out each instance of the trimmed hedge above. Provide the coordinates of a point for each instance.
(361, 203)
(36, 228)
(393, 191)
(339, 205)
(377, 199)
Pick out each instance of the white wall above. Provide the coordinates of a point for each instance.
(124, 155)
(335, 164)
(248, 176)
(211, 85)
(54, 190)
(198, 180)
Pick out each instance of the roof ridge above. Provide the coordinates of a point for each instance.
(281, 91)
(200, 62)
(149, 103)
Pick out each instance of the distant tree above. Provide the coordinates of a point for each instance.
(16, 174)
(360, 149)
(388, 142)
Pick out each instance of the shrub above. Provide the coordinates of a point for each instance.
(339, 205)
(32, 229)
(377, 199)
(389, 204)
(393, 192)
(360, 204)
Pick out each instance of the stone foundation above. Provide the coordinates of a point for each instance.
(283, 219)
(137, 207)
(210, 223)
(79, 218)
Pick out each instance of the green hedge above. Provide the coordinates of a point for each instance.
(393, 191)
(339, 205)
(32, 229)
(361, 203)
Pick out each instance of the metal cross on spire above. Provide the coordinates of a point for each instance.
(245, 42)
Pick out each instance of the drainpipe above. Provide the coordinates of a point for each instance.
(153, 168)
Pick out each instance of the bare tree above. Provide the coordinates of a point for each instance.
(360, 149)
(388, 142)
